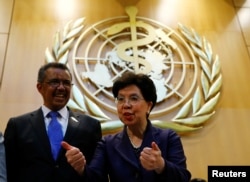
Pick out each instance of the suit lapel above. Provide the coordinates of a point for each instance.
(37, 121)
(125, 149)
(151, 135)
(73, 123)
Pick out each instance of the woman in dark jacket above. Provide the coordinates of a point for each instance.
(140, 152)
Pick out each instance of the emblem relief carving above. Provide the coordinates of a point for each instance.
(180, 62)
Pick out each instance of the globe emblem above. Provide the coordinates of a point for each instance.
(109, 48)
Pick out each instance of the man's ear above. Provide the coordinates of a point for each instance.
(39, 87)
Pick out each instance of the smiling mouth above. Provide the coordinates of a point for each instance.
(60, 97)
(60, 94)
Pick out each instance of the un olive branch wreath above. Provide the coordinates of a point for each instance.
(190, 117)
(211, 81)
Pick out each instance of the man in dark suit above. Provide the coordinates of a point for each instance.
(2, 160)
(27, 137)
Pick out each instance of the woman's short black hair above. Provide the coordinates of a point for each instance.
(142, 81)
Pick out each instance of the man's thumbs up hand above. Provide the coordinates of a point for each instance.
(74, 157)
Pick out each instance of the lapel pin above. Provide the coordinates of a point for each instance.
(74, 119)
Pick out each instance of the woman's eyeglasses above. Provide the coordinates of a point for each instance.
(133, 100)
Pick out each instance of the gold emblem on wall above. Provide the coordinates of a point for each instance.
(181, 63)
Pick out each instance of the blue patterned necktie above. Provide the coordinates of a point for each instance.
(55, 134)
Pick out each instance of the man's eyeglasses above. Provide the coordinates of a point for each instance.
(133, 100)
(56, 83)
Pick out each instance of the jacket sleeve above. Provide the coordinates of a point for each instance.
(175, 160)
(96, 170)
(10, 148)
(2, 160)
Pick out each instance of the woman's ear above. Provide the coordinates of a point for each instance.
(150, 104)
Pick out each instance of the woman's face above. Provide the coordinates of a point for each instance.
(132, 109)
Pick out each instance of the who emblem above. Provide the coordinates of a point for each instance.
(180, 63)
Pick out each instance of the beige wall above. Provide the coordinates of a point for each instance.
(27, 28)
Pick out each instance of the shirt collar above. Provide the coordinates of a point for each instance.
(63, 112)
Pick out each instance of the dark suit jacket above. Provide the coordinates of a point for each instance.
(3, 177)
(28, 153)
(115, 156)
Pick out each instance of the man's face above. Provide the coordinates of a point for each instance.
(55, 96)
